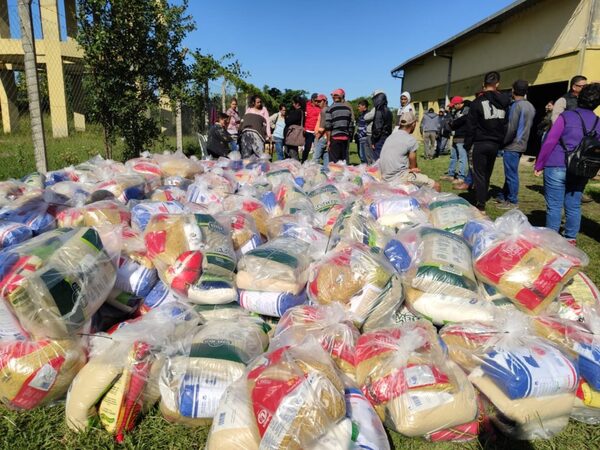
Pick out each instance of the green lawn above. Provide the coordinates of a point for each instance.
(45, 428)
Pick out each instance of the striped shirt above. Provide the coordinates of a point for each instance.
(339, 120)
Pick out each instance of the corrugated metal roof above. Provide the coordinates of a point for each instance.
(479, 27)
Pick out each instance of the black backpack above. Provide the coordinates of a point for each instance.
(584, 160)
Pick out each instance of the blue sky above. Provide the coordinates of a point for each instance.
(321, 45)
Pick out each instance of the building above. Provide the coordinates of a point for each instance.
(543, 41)
(57, 54)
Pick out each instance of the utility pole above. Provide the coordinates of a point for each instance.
(33, 91)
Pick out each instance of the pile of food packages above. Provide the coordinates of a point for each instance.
(288, 306)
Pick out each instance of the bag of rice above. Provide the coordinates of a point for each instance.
(191, 384)
(450, 212)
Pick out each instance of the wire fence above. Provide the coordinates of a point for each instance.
(63, 93)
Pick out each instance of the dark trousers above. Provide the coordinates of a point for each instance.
(338, 150)
(484, 156)
(292, 151)
(309, 138)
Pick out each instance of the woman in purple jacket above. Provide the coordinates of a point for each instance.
(562, 189)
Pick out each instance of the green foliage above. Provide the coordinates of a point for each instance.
(133, 55)
(278, 97)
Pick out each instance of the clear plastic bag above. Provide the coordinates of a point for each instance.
(120, 381)
(450, 212)
(528, 380)
(529, 265)
(357, 277)
(194, 256)
(33, 212)
(579, 301)
(12, 233)
(106, 212)
(280, 265)
(398, 211)
(329, 325)
(244, 233)
(250, 206)
(192, 383)
(37, 372)
(142, 212)
(414, 388)
(124, 187)
(134, 277)
(296, 395)
(354, 224)
(54, 283)
(176, 164)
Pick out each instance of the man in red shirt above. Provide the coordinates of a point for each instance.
(313, 111)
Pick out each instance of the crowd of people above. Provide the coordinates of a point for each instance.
(474, 133)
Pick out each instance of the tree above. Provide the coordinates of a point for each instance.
(133, 55)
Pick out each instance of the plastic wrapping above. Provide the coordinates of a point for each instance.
(142, 212)
(124, 187)
(12, 233)
(177, 164)
(527, 379)
(121, 378)
(359, 278)
(398, 211)
(579, 300)
(250, 206)
(279, 265)
(106, 212)
(244, 233)
(329, 325)
(414, 388)
(194, 256)
(192, 384)
(35, 373)
(135, 278)
(450, 212)
(32, 212)
(529, 265)
(354, 224)
(296, 396)
(54, 283)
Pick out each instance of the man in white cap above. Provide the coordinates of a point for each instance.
(398, 161)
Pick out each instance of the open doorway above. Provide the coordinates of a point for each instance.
(539, 95)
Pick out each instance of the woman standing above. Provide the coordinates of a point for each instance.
(278, 132)
(234, 123)
(561, 188)
(256, 107)
(294, 128)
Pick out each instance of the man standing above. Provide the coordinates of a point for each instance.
(568, 101)
(398, 161)
(382, 123)
(457, 124)
(443, 135)
(339, 123)
(361, 130)
(520, 119)
(320, 137)
(430, 127)
(486, 129)
(313, 112)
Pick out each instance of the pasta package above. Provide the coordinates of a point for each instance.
(54, 283)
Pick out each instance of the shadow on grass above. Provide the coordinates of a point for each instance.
(536, 188)
(595, 195)
(588, 226)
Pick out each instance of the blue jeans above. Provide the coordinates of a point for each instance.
(234, 145)
(510, 191)
(279, 148)
(563, 190)
(319, 150)
(458, 155)
(362, 149)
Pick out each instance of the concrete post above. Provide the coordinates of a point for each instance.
(8, 101)
(78, 107)
(54, 68)
(4, 20)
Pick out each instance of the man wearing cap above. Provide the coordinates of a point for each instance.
(398, 161)
(339, 124)
(320, 137)
(520, 120)
(312, 116)
(458, 154)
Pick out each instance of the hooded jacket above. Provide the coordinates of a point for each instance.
(487, 119)
(382, 121)
(458, 122)
(431, 122)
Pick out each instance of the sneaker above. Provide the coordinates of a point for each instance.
(499, 200)
(573, 242)
(461, 187)
(586, 199)
(447, 178)
(507, 205)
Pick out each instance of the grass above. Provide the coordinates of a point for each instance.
(45, 428)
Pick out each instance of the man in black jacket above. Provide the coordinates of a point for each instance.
(218, 138)
(486, 128)
(457, 125)
(382, 123)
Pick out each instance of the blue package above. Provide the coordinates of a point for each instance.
(269, 200)
(12, 233)
(397, 254)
